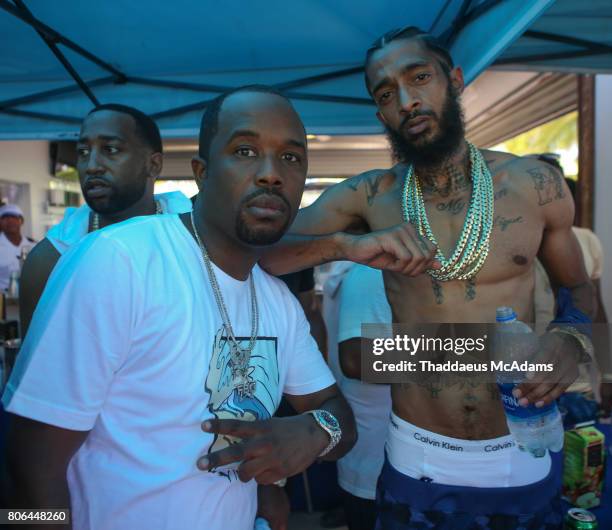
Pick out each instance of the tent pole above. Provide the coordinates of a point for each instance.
(459, 22)
(291, 95)
(330, 99)
(197, 87)
(573, 41)
(526, 59)
(449, 35)
(586, 151)
(60, 57)
(37, 96)
(439, 16)
(57, 37)
(318, 78)
(41, 116)
(216, 88)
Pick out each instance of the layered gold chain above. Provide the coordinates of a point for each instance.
(473, 245)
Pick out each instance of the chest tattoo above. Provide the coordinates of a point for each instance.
(437, 291)
(505, 222)
(454, 206)
(470, 289)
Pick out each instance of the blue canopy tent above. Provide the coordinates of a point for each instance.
(570, 37)
(59, 58)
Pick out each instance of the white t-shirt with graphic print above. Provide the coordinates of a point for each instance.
(75, 224)
(126, 343)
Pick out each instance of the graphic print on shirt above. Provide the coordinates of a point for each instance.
(226, 402)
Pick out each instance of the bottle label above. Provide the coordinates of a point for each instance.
(516, 411)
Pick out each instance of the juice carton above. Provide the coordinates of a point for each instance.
(584, 464)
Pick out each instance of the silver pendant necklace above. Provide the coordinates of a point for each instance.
(239, 357)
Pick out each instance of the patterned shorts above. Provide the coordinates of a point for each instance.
(405, 503)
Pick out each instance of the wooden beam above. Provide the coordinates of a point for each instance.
(585, 189)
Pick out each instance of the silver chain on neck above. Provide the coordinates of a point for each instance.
(95, 220)
(240, 356)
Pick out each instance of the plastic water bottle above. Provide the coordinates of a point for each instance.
(534, 429)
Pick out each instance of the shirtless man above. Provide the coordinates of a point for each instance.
(416, 87)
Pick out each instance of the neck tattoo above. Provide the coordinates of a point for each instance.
(472, 247)
(457, 177)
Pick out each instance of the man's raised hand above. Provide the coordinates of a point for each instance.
(268, 450)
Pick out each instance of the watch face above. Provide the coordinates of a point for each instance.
(329, 419)
(328, 423)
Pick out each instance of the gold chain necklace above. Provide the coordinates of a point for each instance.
(473, 244)
(95, 219)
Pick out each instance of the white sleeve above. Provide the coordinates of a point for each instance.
(598, 257)
(70, 230)
(79, 337)
(362, 300)
(307, 370)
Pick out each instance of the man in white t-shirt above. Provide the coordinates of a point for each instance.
(362, 300)
(119, 156)
(12, 242)
(160, 350)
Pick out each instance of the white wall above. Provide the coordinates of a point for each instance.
(603, 179)
(28, 162)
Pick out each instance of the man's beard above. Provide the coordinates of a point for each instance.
(120, 199)
(261, 236)
(444, 144)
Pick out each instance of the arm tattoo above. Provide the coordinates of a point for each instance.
(437, 291)
(548, 183)
(470, 289)
(372, 188)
